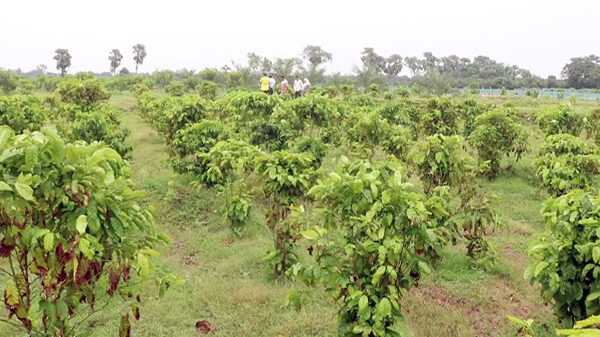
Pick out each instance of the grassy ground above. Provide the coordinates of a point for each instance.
(227, 283)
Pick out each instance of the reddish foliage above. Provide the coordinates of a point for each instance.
(113, 278)
(6, 248)
(126, 273)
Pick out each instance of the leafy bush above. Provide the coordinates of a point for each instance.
(181, 112)
(560, 119)
(319, 110)
(287, 177)
(439, 116)
(266, 134)
(439, 160)
(248, 105)
(498, 133)
(366, 130)
(475, 218)
(83, 92)
(314, 146)
(226, 159)
(236, 207)
(469, 110)
(369, 248)
(402, 112)
(593, 126)
(194, 140)
(72, 234)
(566, 256)
(176, 88)
(21, 112)
(99, 126)
(565, 163)
(207, 89)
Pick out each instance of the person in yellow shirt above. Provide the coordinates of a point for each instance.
(264, 83)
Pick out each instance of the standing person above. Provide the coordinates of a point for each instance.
(271, 85)
(305, 86)
(298, 87)
(285, 86)
(264, 83)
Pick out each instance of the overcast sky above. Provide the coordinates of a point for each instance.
(539, 35)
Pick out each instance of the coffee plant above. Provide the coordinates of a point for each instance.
(287, 176)
(593, 126)
(561, 119)
(498, 133)
(439, 160)
(73, 236)
(369, 247)
(566, 257)
(565, 163)
(439, 116)
(22, 112)
(82, 92)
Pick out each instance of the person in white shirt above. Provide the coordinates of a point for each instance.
(271, 85)
(305, 87)
(298, 87)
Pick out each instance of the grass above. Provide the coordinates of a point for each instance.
(227, 284)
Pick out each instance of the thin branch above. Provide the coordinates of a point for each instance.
(88, 316)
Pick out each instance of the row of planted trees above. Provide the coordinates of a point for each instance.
(375, 218)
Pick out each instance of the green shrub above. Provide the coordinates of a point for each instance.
(560, 119)
(22, 112)
(73, 235)
(176, 88)
(207, 89)
(439, 160)
(100, 126)
(181, 112)
(226, 161)
(469, 110)
(566, 256)
(83, 92)
(566, 163)
(498, 133)
(287, 177)
(593, 126)
(369, 250)
(439, 116)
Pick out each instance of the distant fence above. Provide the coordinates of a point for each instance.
(580, 94)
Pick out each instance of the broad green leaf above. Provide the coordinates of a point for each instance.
(4, 187)
(384, 308)
(539, 267)
(310, 234)
(25, 191)
(81, 224)
(49, 242)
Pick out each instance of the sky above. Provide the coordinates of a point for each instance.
(537, 35)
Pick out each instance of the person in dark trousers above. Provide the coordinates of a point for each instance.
(298, 84)
(271, 85)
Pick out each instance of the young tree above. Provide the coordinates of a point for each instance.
(139, 51)
(63, 60)
(115, 58)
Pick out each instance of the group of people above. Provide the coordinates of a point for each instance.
(301, 87)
